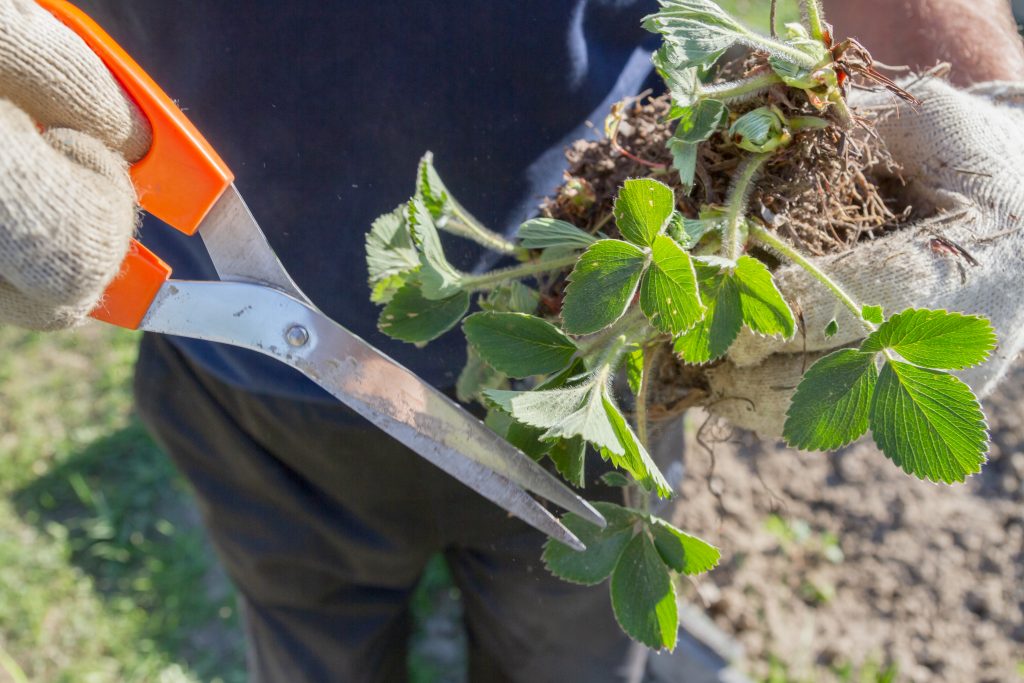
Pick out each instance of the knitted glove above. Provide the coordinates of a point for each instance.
(67, 206)
(963, 155)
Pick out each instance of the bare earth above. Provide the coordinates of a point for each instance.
(930, 577)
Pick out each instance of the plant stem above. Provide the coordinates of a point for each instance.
(736, 91)
(642, 425)
(487, 281)
(812, 12)
(843, 112)
(623, 326)
(469, 227)
(779, 47)
(737, 204)
(790, 252)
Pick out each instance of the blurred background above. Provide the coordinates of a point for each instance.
(836, 569)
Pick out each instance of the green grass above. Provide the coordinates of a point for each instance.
(100, 553)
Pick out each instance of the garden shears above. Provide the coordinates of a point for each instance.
(256, 305)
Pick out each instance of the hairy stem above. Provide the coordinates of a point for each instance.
(737, 203)
(790, 252)
(781, 48)
(465, 225)
(843, 113)
(742, 90)
(815, 21)
(642, 423)
(487, 281)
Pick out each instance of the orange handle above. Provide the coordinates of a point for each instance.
(178, 181)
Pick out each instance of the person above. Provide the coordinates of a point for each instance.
(323, 109)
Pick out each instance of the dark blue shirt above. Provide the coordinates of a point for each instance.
(322, 110)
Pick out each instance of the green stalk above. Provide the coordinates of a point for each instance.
(815, 22)
(469, 227)
(790, 252)
(843, 112)
(779, 47)
(642, 425)
(737, 91)
(488, 281)
(737, 203)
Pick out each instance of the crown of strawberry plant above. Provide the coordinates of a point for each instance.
(686, 283)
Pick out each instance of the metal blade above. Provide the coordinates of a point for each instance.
(239, 249)
(376, 387)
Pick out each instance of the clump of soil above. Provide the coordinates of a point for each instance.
(825, 193)
(929, 578)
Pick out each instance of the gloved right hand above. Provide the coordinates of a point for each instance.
(67, 207)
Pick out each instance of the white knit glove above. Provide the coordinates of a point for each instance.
(962, 153)
(67, 206)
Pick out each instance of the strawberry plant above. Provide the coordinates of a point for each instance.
(670, 271)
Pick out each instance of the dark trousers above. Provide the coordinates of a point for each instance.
(325, 525)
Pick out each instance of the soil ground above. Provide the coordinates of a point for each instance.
(834, 563)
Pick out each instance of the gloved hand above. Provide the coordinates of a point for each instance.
(67, 206)
(962, 153)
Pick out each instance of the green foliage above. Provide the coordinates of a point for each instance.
(390, 255)
(925, 420)
(928, 422)
(517, 344)
(668, 293)
(935, 339)
(760, 130)
(602, 286)
(640, 553)
(643, 595)
(412, 317)
(543, 233)
(642, 208)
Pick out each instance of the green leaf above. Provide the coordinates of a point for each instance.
(384, 291)
(699, 31)
(604, 546)
(643, 595)
(511, 297)
(542, 233)
(642, 209)
(528, 440)
(668, 292)
(439, 279)
(684, 159)
(928, 422)
(615, 478)
(760, 130)
(601, 286)
(476, 376)
(873, 314)
(431, 189)
(765, 311)
(567, 412)
(389, 247)
(700, 121)
(414, 318)
(715, 333)
(935, 339)
(517, 344)
(569, 456)
(635, 369)
(831, 405)
(832, 329)
(683, 83)
(682, 552)
(632, 456)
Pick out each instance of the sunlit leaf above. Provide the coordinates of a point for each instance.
(668, 292)
(928, 422)
(412, 317)
(935, 339)
(517, 344)
(601, 286)
(642, 208)
(543, 233)
(831, 405)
